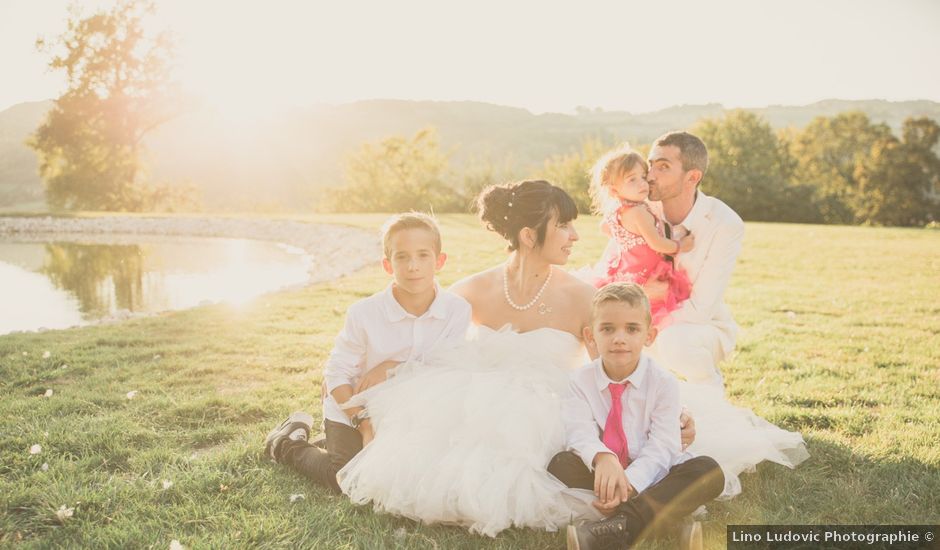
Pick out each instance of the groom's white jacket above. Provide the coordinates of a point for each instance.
(719, 233)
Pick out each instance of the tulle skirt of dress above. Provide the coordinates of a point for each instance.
(465, 437)
(665, 285)
(735, 437)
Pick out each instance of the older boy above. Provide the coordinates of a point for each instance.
(403, 322)
(622, 424)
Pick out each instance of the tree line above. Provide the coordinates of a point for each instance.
(843, 169)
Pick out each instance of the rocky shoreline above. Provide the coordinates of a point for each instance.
(334, 250)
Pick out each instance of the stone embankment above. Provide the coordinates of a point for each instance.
(334, 250)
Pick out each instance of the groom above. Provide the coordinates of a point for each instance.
(702, 332)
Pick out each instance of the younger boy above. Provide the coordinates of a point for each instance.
(622, 424)
(399, 324)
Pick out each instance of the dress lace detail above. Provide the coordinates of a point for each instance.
(626, 239)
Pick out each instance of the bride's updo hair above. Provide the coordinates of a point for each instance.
(510, 207)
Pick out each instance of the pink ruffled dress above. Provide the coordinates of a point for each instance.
(634, 261)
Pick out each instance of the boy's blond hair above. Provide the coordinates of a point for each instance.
(409, 220)
(612, 164)
(627, 293)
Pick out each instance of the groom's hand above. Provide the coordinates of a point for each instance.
(610, 481)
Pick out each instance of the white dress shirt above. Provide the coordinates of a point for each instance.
(650, 419)
(378, 329)
(719, 233)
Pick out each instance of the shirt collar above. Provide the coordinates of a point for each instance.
(636, 379)
(394, 312)
(697, 214)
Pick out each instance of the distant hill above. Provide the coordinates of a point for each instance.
(285, 162)
(19, 179)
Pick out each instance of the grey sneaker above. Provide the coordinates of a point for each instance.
(295, 428)
(607, 534)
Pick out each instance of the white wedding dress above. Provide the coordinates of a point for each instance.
(465, 437)
(735, 437)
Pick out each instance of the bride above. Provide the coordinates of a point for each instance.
(465, 437)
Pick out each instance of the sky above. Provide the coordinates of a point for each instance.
(253, 57)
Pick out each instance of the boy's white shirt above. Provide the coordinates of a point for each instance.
(650, 419)
(378, 329)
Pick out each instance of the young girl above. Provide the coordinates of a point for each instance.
(643, 254)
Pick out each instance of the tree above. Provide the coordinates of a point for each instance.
(396, 175)
(750, 168)
(101, 277)
(476, 175)
(572, 172)
(119, 89)
(897, 180)
(828, 151)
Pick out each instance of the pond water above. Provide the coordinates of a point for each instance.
(64, 284)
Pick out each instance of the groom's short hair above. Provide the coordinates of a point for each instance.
(692, 151)
(627, 293)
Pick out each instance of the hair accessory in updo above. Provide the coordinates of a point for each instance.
(510, 207)
(512, 195)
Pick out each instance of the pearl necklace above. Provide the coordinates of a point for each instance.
(538, 295)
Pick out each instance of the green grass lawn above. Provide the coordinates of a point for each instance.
(839, 341)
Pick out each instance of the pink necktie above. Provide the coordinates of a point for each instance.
(614, 437)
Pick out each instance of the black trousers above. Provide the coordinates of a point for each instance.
(686, 487)
(321, 465)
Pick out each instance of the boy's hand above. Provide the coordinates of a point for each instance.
(365, 430)
(687, 429)
(607, 509)
(686, 243)
(610, 481)
(376, 376)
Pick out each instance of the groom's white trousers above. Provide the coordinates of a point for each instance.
(692, 351)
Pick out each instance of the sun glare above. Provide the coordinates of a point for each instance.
(252, 59)
(240, 66)
(238, 91)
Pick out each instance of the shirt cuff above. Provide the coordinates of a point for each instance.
(588, 452)
(640, 476)
(333, 382)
